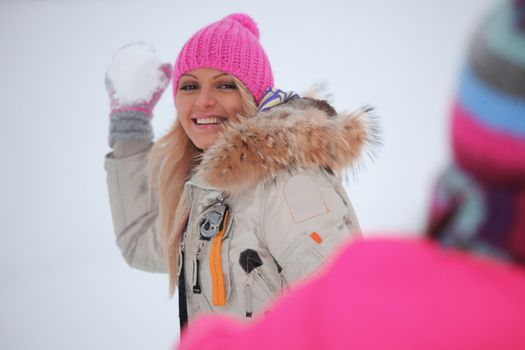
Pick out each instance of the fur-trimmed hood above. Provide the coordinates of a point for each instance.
(301, 133)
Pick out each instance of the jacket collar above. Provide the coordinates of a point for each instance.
(302, 133)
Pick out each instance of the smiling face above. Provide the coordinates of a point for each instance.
(206, 99)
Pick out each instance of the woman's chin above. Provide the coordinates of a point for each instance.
(203, 143)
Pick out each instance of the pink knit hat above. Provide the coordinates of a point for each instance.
(230, 45)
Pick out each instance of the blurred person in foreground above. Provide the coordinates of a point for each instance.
(385, 294)
(479, 201)
(414, 294)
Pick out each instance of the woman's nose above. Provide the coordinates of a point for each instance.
(206, 98)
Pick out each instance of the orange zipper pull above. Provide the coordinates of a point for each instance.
(218, 296)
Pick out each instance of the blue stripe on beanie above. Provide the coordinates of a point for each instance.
(490, 106)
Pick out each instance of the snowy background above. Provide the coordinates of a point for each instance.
(63, 282)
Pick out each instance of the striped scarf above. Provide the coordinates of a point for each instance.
(484, 218)
(274, 97)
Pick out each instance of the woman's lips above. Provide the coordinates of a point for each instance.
(208, 121)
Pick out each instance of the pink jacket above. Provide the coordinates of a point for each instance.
(385, 294)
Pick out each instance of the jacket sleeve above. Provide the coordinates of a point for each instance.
(306, 217)
(134, 210)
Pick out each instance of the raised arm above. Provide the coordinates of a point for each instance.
(135, 80)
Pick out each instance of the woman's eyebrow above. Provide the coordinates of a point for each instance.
(219, 75)
(190, 75)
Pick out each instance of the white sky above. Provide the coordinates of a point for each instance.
(64, 284)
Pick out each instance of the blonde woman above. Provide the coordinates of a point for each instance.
(244, 195)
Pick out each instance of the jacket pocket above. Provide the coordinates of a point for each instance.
(258, 291)
(302, 259)
(260, 284)
(263, 283)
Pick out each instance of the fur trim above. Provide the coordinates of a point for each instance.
(303, 133)
(318, 91)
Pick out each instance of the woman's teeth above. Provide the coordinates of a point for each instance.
(205, 121)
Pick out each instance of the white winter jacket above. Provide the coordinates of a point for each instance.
(287, 208)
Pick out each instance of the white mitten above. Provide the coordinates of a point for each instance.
(135, 81)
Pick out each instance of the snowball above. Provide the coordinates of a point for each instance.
(135, 73)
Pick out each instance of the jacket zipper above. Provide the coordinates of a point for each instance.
(248, 290)
(248, 299)
(183, 306)
(196, 286)
(264, 280)
(182, 245)
(217, 279)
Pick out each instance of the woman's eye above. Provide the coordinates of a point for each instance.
(187, 87)
(227, 86)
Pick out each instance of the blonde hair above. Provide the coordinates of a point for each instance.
(171, 163)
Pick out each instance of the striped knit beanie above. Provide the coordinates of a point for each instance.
(479, 201)
(488, 119)
(230, 45)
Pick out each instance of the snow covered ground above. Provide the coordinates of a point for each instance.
(63, 282)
